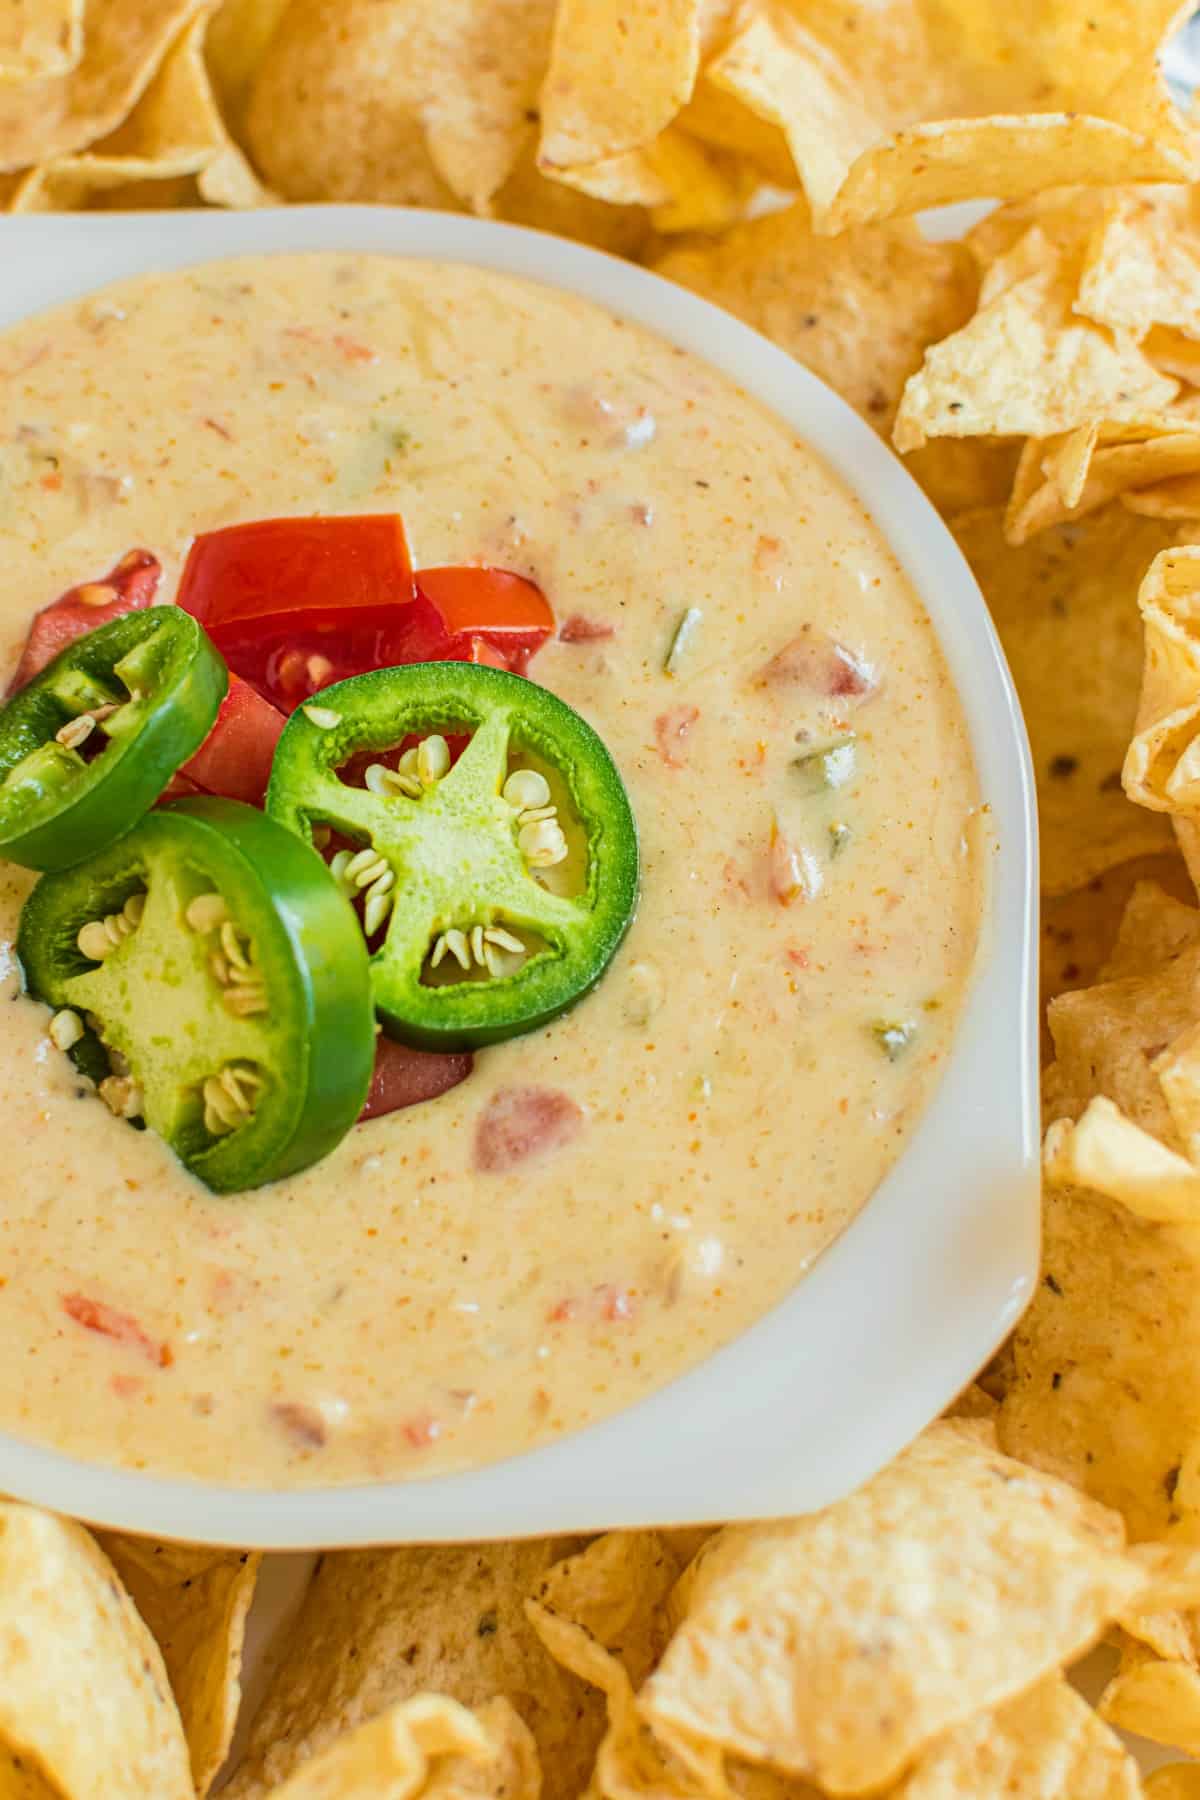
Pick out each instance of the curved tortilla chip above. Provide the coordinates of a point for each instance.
(428, 1746)
(381, 1626)
(1154, 1699)
(125, 42)
(84, 1697)
(818, 1645)
(195, 1602)
(616, 79)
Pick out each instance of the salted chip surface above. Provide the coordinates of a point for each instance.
(1045, 1744)
(195, 1602)
(831, 302)
(427, 1746)
(1065, 608)
(124, 43)
(1027, 364)
(84, 1696)
(40, 38)
(616, 79)
(839, 1647)
(382, 1626)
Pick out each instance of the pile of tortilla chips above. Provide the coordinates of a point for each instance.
(1041, 377)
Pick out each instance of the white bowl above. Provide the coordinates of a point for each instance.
(904, 1308)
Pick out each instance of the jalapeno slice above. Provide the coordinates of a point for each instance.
(498, 889)
(227, 982)
(146, 687)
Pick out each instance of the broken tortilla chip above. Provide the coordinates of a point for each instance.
(1065, 608)
(831, 302)
(40, 38)
(616, 1590)
(428, 1746)
(1048, 1741)
(381, 1626)
(1095, 472)
(1175, 499)
(195, 1602)
(82, 1684)
(777, 1654)
(1028, 365)
(125, 42)
(616, 78)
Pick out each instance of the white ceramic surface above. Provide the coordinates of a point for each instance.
(909, 1302)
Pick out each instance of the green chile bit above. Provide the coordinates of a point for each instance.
(683, 639)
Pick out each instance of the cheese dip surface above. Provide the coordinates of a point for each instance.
(604, 1201)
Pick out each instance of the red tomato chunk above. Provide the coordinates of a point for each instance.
(520, 1122)
(129, 587)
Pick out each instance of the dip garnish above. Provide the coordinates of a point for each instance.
(227, 981)
(451, 861)
(147, 688)
(295, 604)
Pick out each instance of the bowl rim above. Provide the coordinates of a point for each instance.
(943, 1257)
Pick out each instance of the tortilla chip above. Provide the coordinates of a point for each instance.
(239, 38)
(831, 302)
(82, 1684)
(1154, 1699)
(427, 1746)
(195, 1602)
(1106, 1389)
(616, 1591)
(1143, 265)
(20, 1780)
(1174, 1781)
(1173, 353)
(1081, 932)
(1096, 472)
(813, 1643)
(1108, 1154)
(381, 1626)
(1160, 769)
(1064, 608)
(1159, 921)
(686, 185)
(1028, 365)
(616, 79)
(721, 119)
(125, 42)
(1048, 1742)
(528, 198)
(963, 474)
(1177, 499)
(966, 100)
(39, 38)
(399, 101)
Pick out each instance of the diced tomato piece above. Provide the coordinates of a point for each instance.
(235, 758)
(405, 1077)
(670, 733)
(122, 1327)
(520, 1122)
(509, 612)
(297, 572)
(580, 629)
(129, 587)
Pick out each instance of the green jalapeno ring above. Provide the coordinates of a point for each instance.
(151, 683)
(309, 1049)
(454, 852)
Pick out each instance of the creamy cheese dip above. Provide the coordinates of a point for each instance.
(763, 1045)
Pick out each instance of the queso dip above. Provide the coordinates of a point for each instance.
(680, 1146)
